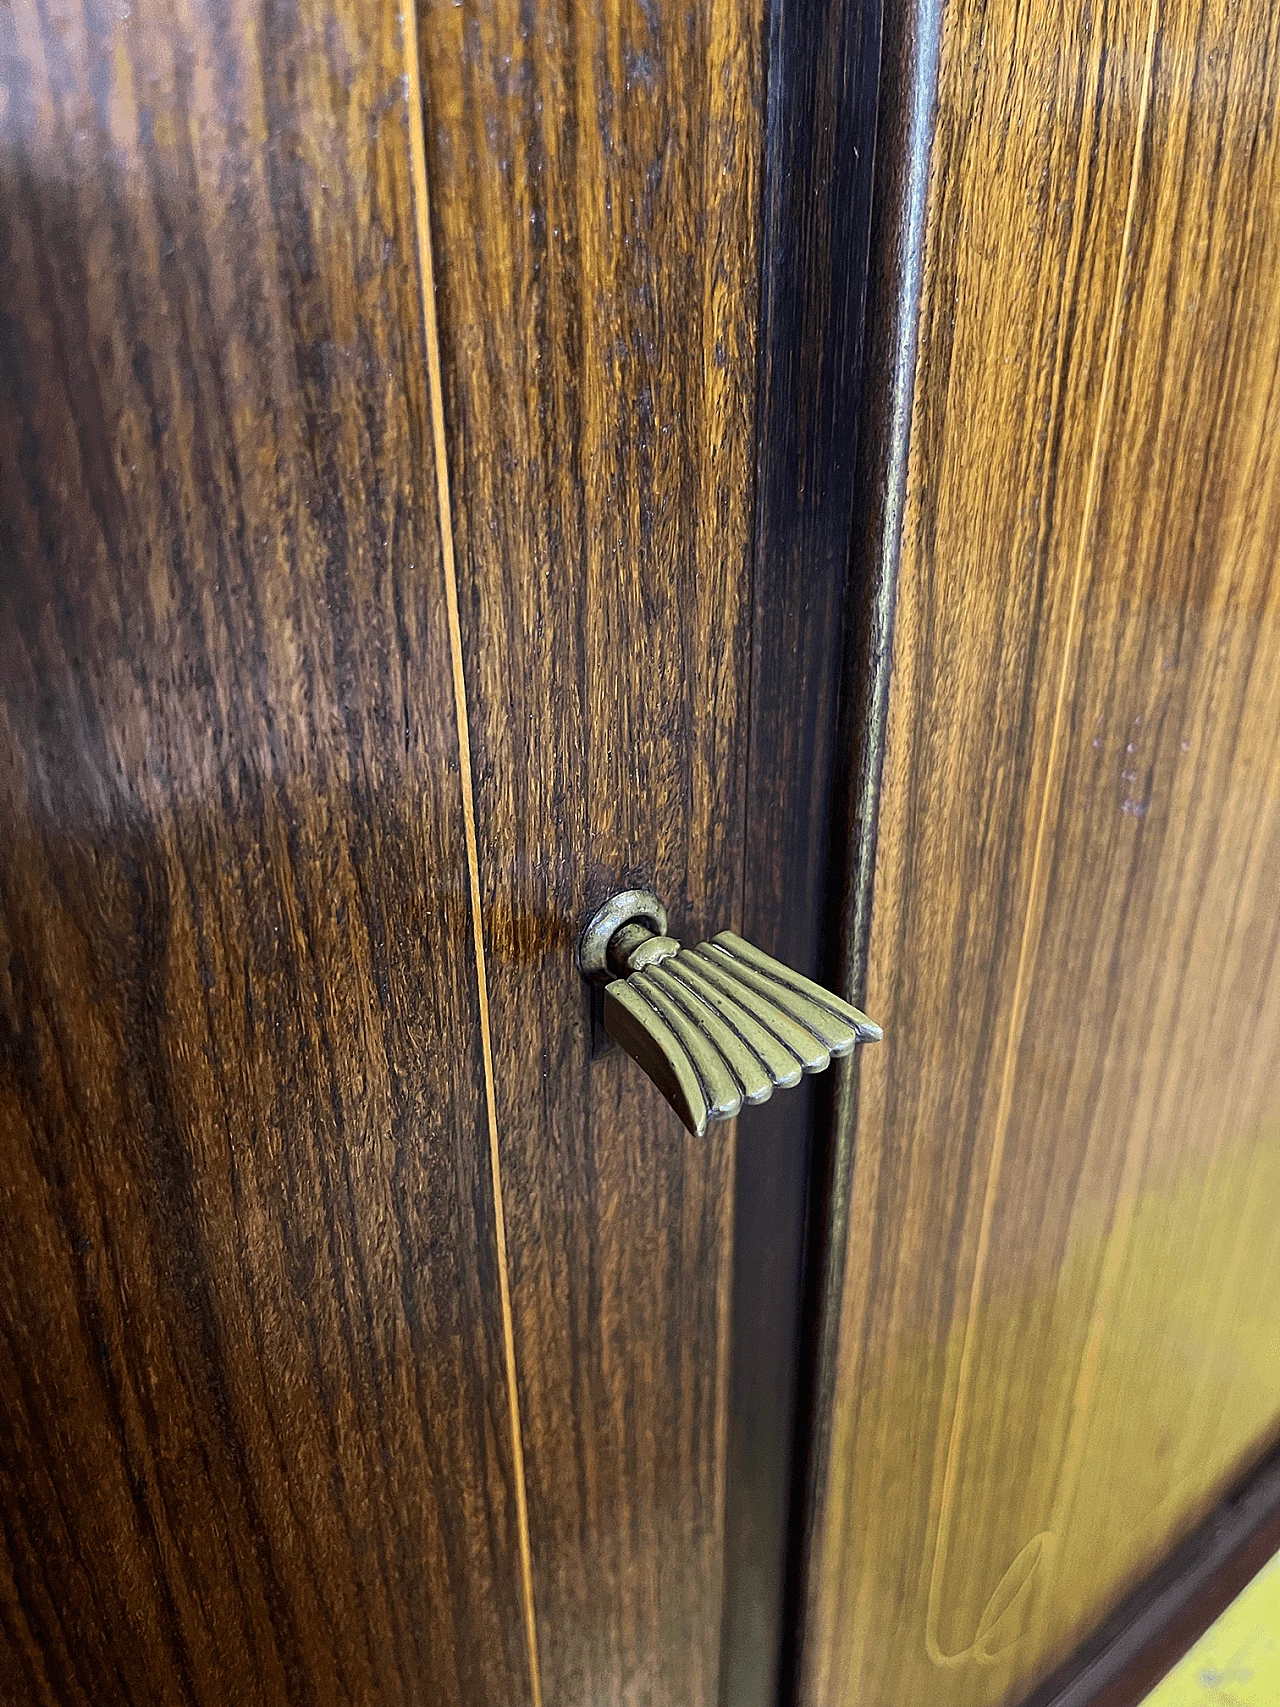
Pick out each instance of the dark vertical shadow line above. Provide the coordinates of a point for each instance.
(822, 67)
(904, 137)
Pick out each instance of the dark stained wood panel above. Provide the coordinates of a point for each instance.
(254, 1440)
(595, 179)
(1058, 1328)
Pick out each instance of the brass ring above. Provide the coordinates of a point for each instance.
(593, 945)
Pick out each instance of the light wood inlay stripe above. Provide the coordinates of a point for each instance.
(417, 143)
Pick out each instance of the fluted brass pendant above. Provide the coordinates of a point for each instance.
(714, 1026)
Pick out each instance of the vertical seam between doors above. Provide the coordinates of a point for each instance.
(426, 273)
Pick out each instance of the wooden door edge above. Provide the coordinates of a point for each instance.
(822, 71)
(1155, 1625)
(905, 123)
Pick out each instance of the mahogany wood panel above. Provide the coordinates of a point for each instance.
(1062, 1294)
(595, 181)
(254, 1441)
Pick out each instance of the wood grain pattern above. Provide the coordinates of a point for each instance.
(253, 1401)
(595, 184)
(1057, 1332)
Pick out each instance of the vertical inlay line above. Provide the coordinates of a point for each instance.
(426, 271)
(1032, 919)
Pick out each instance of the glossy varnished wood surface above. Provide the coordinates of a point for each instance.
(254, 1440)
(595, 183)
(1059, 1319)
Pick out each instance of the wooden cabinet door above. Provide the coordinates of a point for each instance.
(424, 493)
(1059, 1333)
(257, 1441)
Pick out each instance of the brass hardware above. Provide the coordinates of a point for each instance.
(715, 1026)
